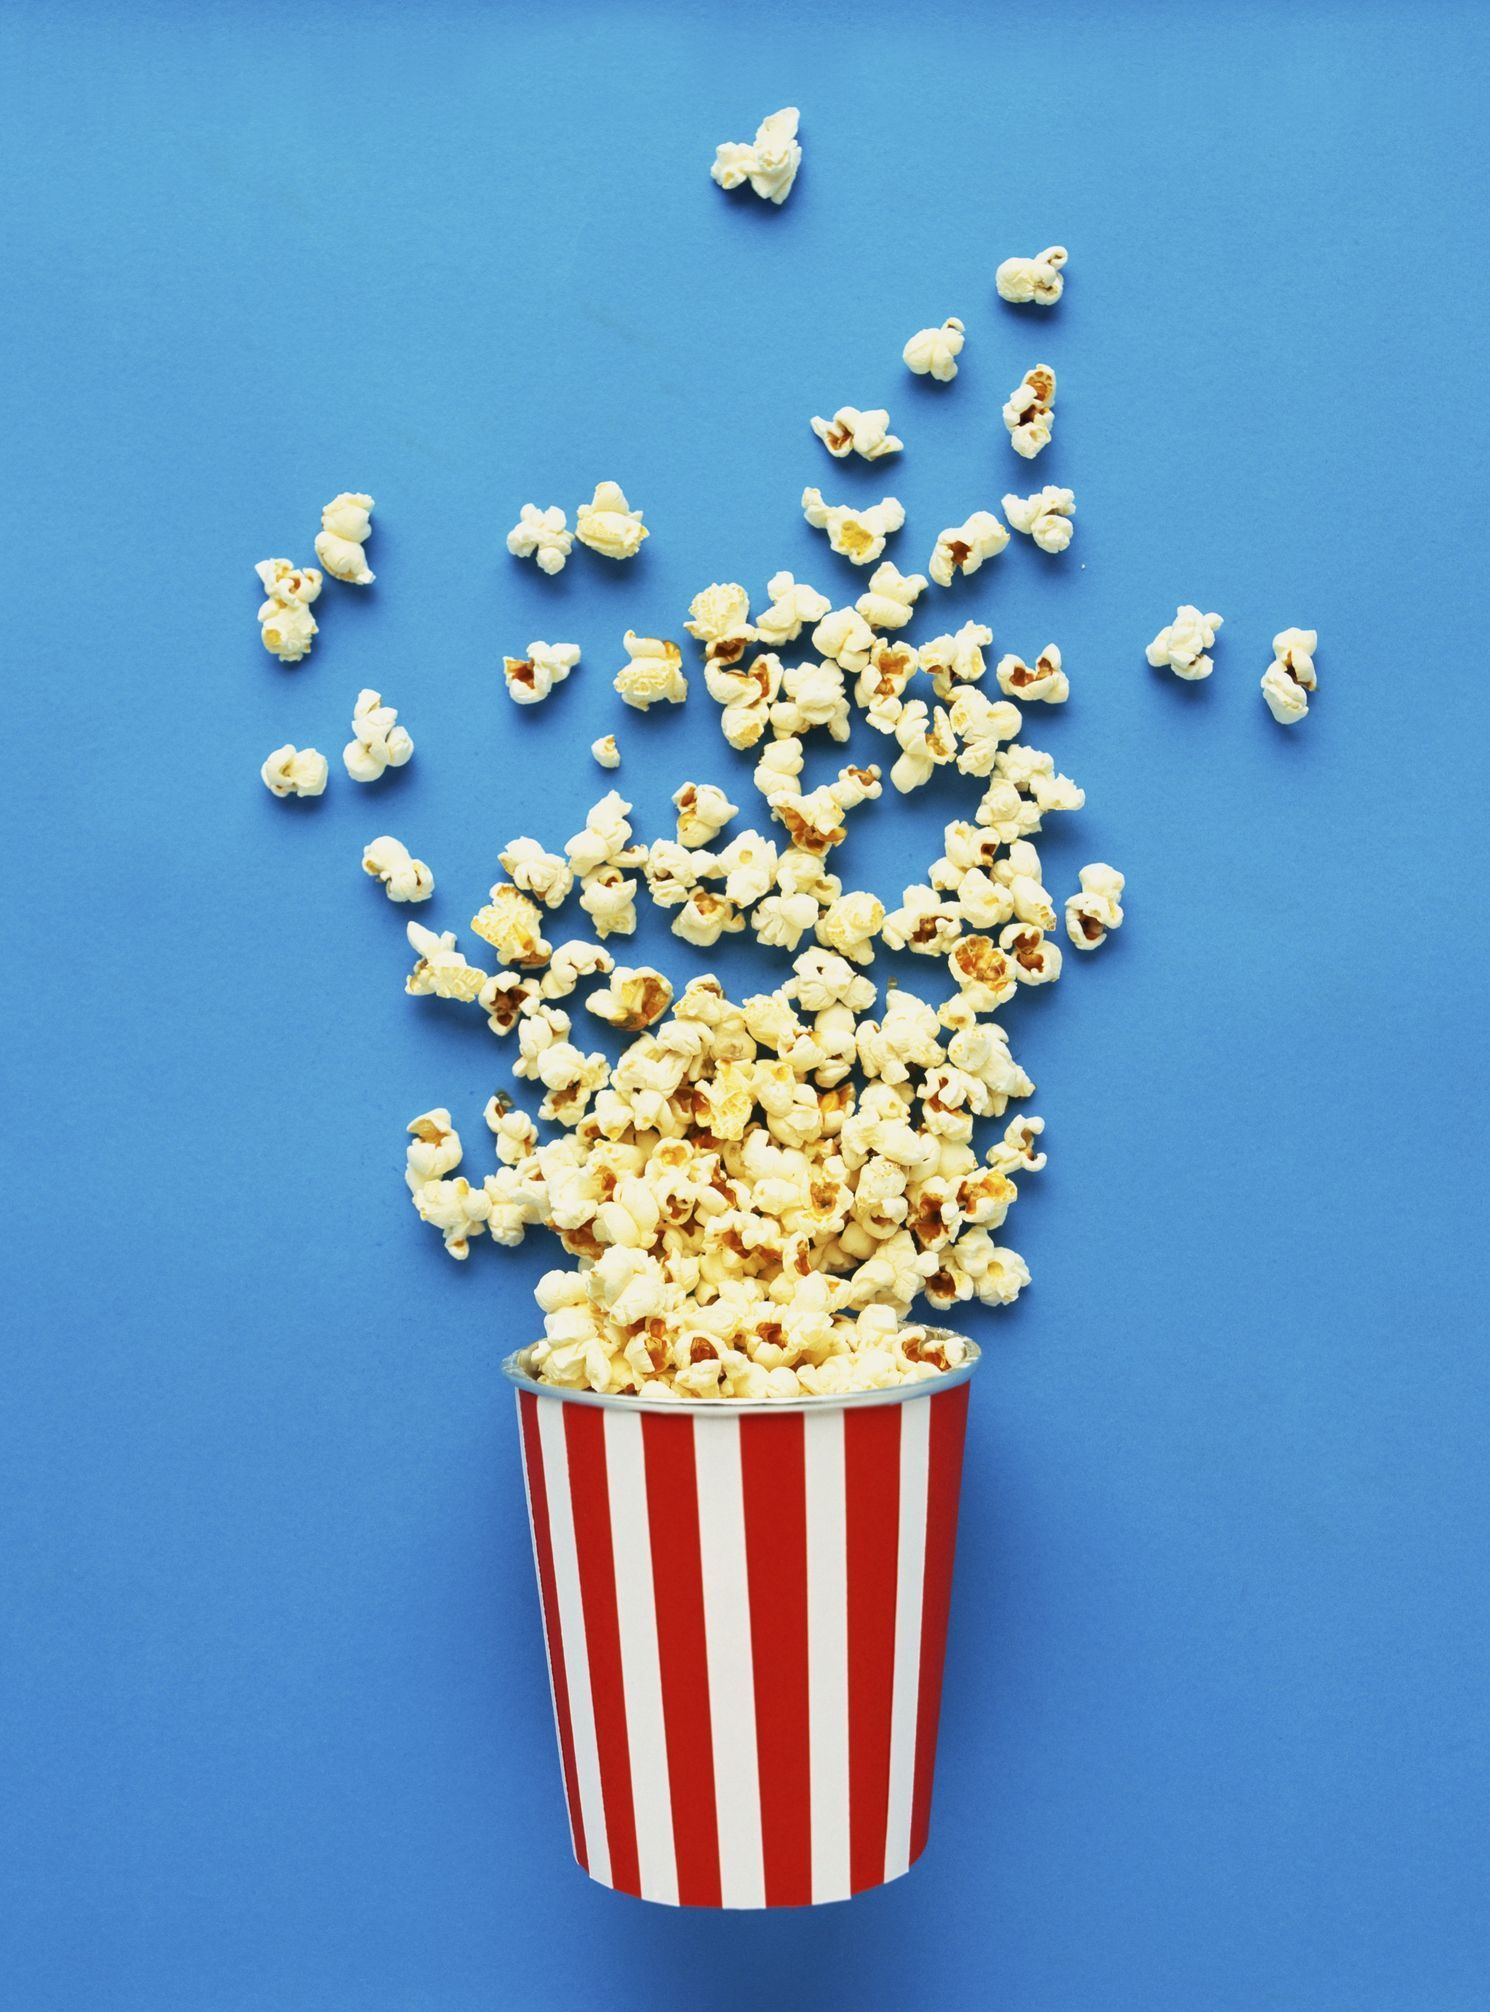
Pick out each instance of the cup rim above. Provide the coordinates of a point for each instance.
(732, 1407)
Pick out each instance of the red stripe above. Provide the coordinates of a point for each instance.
(543, 1553)
(871, 1460)
(774, 1485)
(678, 1588)
(584, 1438)
(948, 1431)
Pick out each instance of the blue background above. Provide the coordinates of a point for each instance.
(272, 1703)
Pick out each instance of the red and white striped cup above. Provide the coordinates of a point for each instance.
(746, 1614)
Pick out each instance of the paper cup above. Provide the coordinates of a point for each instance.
(746, 1614)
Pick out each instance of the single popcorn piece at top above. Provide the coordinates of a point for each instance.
(962, 548)
(1045, 516)
(542, 535)
(851, 431)
(1045, 680)
(287, 628)
(534, 676)
(606, 752)
(1182, 645)
(378, 742)
(856, 534)
(609, 525)
(1029, 411)
(404, 878)
(1289, 678)
(346, 523)
(292, 771)
(1040, 279)
(933, 352)
(654, 675)
(769, 162)
(1091, 914)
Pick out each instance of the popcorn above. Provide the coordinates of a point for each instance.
(673, 871)
(605, 840)
(956, 661)
(747, 695)
(286, 625)
(609, 525)
(606, 752)
(570, 965)
(793, 606)
(632, 998)
(890, 598)
(1182, 646)
(812, 695)
(779, 768)
(435, 1150)
(813, 822)
(925, 922)
(703, 812)
(982, 972)
(1045, 516)
(378, 742)
(858, 535)
(769, 163)
(292, 771)
(654, 674)
(1046, 681)
(934, 352)
(440, 969)
(457, 1210)
(980, 724)
(513, 926)
(851, 431)
(346, 522)
(506, 996)
(721, 622)
(1034, 959)
(962, 548)
(926, 743)
(748, 864)
(888, 669)
(850, 924)
(404, 878)
(534, 676)
(844, 638)
(609, 899)
(704, 917)
(1289, 678)
(1028, 412)
(543, 535)
(544, 875)
(1096, 910)
(1039, 279)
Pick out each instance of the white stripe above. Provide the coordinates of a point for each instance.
(827, 1653)
(572, 1634)
(641, 1665)
(548, 1619)
(737, 1789)
(915, 1447)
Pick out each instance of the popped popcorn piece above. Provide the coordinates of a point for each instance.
(1033, 958)
(440, 969)
(435, 1149)
(851, 431)
(925, 922)
(769, 162)
(956, 661)
(779, 768)
(609, 899)
(850, 924)
(534, 676)
(813, 822)
(720, 619)
(933, 352)
(1045, 516)
(793, 606)
(543, 535)
(858, 535)
(673, 870)
(844, 638)
(1096, 910)
(1040, 279)
(286, 626)
(746, 694)
(655, 673)
(544, 875)
(962, 548)
(606, 752)
(890, 597)
(705, 916)
(632, 997)
(926, 743)
(606, 838)
(812, 695)
(703, 812)
(981, 724)
(292, 771)
(983, 973)
(1046, 681)
(1182, 645)
(506, 996)
(456, 1209)
(378, 742)
(571, 964)
(888, 669)
(1029, 411)
(346, 523)
(1290, 677)
(609, 525)
(748, 864)
(404, 878)
(513, 926)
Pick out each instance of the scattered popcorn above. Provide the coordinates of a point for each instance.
(378, 742)
(812, 695)
(955, 662)
(1182, 646)
(933, 352)
(845, 638)
(507, 995)
(1289, 678)
(654, 675)
(606, 838)
(769, 162)
(1028, 412)
(926, 743)
(609, 525)
(609, 899)
(632, 997)
(1045, 517)
(1093, 912)
(286, 626)
(858, 535)
(1046, 681)
(747, 695)
(880, 686)
(1039, 279)
(440, 969)
(404, 878)
(1035, 960)
(292, 771)
(543, 535)
(890, 598)
(851, 431)
(606, 752)
(779, 767)
(513, 926)
(346, 522)
(748, 866)
(570, 965)
(703, 812)
(544, 875)
(962, 548)
(720, 619)
(534, 676)
(981, 724)
(925, 922)
(793, 606)
(435, 1150)
(705, 916)
(850, 924)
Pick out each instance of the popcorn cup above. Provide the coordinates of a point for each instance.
(745, 1608)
